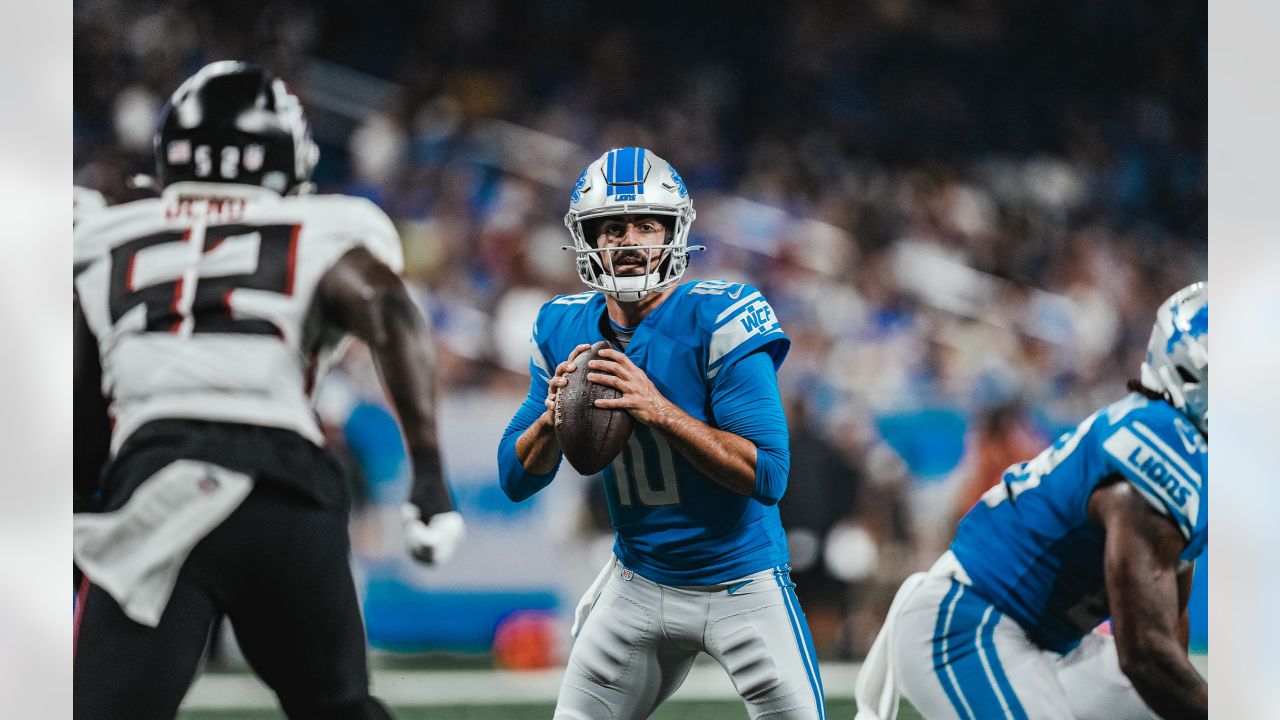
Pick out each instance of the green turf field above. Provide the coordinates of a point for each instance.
(507, 696)
(716, 710)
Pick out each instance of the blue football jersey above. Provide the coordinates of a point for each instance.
(674, 524)
(1029, 545)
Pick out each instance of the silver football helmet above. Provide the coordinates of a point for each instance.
(1177, 363)
(630, 181)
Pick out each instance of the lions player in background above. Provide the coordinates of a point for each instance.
(1105, 523)
(202, 318)
(700, 557)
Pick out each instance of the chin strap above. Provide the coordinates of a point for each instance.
(1162, 381)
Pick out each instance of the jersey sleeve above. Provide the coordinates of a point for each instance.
(371, 227)
(518, 483)
(740, 323)
(746, 403)
(1163, 461)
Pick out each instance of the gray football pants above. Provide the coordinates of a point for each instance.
(958, 658)
(641, 638)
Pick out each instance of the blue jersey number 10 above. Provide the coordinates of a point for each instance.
(653, 486)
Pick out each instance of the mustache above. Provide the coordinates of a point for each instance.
(622, 257)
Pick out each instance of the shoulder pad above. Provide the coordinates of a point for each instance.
(1163, 461)
(739, 320)
(107, 227)
(361, 219)
(581, 298)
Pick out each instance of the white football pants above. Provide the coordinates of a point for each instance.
(957, 656)
(640, 639)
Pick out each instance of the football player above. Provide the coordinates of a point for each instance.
(202, 319)
(1105, 523)
(700, 559)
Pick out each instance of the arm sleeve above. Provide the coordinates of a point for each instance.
(517, 482)
(745, 402)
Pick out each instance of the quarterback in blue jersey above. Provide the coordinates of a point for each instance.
(1104, 523)
(700, 558)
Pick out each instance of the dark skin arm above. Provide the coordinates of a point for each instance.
(1148, 605)
(91, 424)
(1184, 596)
(363, 296)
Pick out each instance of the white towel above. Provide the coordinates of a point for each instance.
(135, 553)
(876, 688)
(589, 598)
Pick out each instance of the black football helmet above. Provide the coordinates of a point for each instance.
(235, 122)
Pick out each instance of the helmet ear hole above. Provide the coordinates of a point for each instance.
(591, 231)
(1186, 375)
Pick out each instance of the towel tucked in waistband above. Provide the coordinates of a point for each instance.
(876, 688)
(135, 553)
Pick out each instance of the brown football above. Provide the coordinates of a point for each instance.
(590, 437)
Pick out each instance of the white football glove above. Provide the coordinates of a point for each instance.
(434, 541)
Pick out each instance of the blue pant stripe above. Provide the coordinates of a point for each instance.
(800, 630)
(997, 669)
(941, 661)
(809, 647)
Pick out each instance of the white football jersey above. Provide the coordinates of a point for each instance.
(199, 301)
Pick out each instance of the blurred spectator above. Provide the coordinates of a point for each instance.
(1003, 437)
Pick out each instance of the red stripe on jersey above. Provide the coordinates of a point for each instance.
(128, 278)
(293, 259)
(173, 307)
(81, 595)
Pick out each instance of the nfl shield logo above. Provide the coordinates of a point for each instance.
(626, 574)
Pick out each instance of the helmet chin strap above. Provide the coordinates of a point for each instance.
(631, 288)
(1162, 381)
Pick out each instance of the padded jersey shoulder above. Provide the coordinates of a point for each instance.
(1162, 454)
(736, 320)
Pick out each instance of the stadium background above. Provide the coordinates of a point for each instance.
(964, 213)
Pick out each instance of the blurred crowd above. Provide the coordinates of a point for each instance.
(963, 211)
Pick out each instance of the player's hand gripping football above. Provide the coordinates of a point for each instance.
(639, 395)
(558, 381)
(435, 541)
